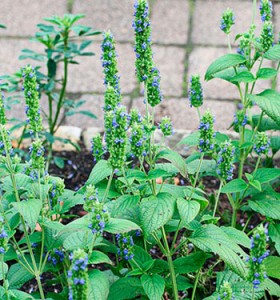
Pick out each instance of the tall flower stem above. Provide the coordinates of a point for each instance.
(217, 198)
(170, 265)
(108, 187)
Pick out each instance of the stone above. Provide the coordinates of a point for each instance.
(22, 16)
(93, 104)
(170, 62)
(89, 133)
(108, 15)
(170, 22)
(67, 132)
(207, 16)
(88, 75)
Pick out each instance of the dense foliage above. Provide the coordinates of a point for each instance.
(142, 236)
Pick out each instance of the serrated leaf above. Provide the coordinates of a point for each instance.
(190, 263)
(266, 207)
(211, 238)
(156, 212)
(51, 229)
(269, 102)
(30, 210)
(120, 225)
(100, 171)
(222, 63)
(256, 184)
(4, 267)
(153, 286)
(18, 276)
(234, 186)
(208, 167)
(264, 175)
(272, 264)
(272, 287)
(266, 73)
(78, 239)
(239, 237)
(19, 295)
(125, 206)
(126, 288)
(265, 124)
(274, 234)
(98, 285)
(176, 159)
(188, 210)
(273, 53)
(22, 182)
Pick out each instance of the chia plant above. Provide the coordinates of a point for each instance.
(228, 19)
(206, 133)
(195, 91)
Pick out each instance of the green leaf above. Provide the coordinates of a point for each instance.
(69, 199)
(156, 212)
(234, 186)
(210, 238)
(125, 207)
(222, 63)
(157, 173)
(272, 264)
(272, 287)
(266, 207)
(188, 210)
(239, 237)
(120, 225)
(256, 184)
(98, 257)
(100, 171)
(269, 102)
(126, 288)
(274, 234)
(51, 229)
(190, 263)
(59, 162)
(275, 143)
(18, 276)
(244, 76)
(208, 167)
(265, 124)
(264, 175)
(22, 182)
(273, 53)
(190, 140)
(87, 113)
(4, 268)
(167, 167)
(266, 73)
(78, 239)
(98, 285)
(153, 286)
(176, 159)
(30, 210)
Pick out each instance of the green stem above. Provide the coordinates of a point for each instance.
(246, 224)
(217, 198)
(108, 187)
(171, 265)
(234, 210)
(228, 42)
(253, 293)
(195, 285)
(4, 277)
(274, 81)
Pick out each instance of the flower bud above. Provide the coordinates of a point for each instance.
(142, 28)
(267, 36)
(3, 237)
(37, 151)
(225, 161)
(240, 119)
(226, 292)
(206, 133)
(258, 253)
(262, 143)
(5, 142)
(195, 91)
(135, 116)
(97, 211)
(266, 10)
(109, 62)
(109, 128)
(125, 246)
(78, 276)
(153, 87)
(31, 94)
(138, 140)
(97, 148)
(56, 257)
(166, 126)
(227, 21)
(56, 190)
(112, 99)
(119, 138)
(3, 119)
